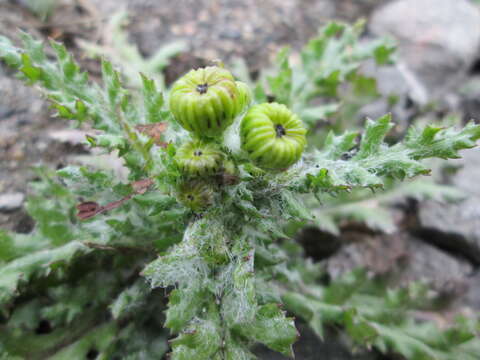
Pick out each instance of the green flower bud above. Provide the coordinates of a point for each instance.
(207, 100)
(197, 158)
(196, 195)
(273, 136)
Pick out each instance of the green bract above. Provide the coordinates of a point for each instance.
(273, 136)
(207, 100)
(195, 195)
(197, 158)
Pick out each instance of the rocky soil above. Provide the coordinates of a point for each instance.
(439, 56)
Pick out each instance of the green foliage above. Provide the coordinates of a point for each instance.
(109, 108)
(384, 318)
(316, 88)
(375, 159)
(102, 246)
(78, 283)
(39, 263)
(121, 52)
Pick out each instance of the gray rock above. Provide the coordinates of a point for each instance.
(441, 270)
(11, 201)
(219, 29)
(378, 253)
(438, 42)
(408, 258)
(456, 226)
(391, 82)
(470, 93)
(473, 297)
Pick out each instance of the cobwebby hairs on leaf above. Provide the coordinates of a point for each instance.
(203, 220)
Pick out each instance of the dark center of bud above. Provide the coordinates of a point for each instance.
(202, 88)
(280, 130)
(190, 197)
(198, 153)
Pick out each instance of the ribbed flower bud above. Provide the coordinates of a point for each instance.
(197, 158)
(196, 195)
(273, 136)
(207, 100)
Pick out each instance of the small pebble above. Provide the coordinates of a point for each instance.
(11, 201)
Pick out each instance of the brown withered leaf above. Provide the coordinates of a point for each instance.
(89, 209)
(229, 179)
(141, 186)
(155, 131)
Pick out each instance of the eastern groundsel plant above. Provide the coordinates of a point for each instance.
(193, 241)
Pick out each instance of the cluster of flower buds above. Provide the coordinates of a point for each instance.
(206, 102)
